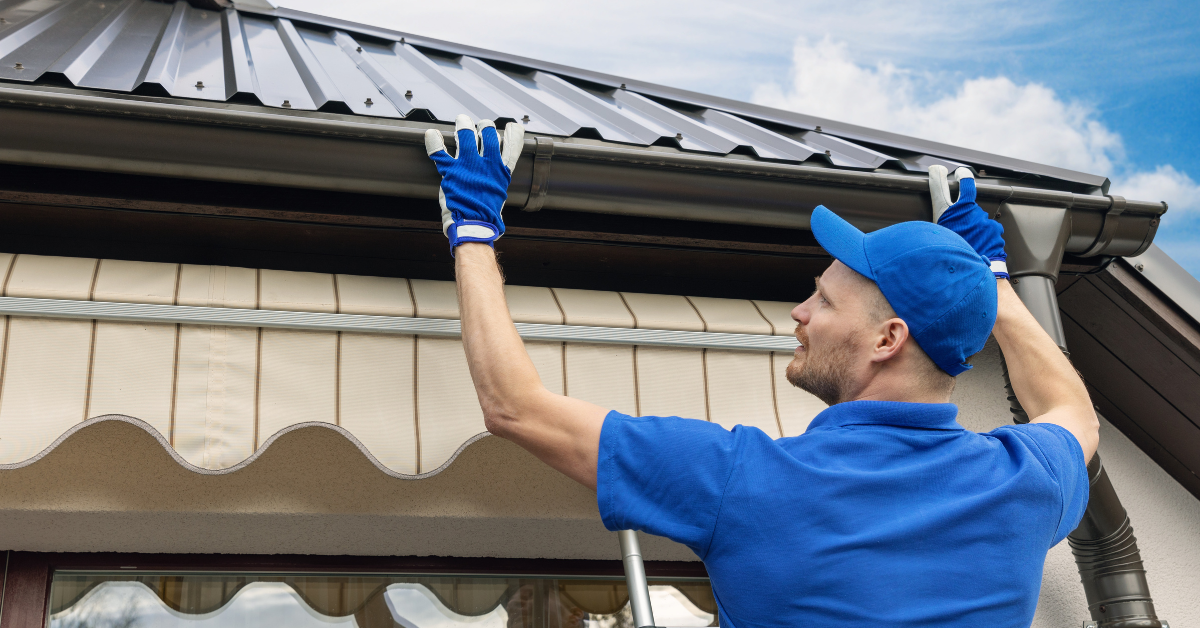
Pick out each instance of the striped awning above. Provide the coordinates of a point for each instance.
(217, 360)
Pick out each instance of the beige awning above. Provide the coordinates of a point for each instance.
(216, 394)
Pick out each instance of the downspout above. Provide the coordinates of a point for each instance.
(1106, 552)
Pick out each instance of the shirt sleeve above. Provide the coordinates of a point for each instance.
(664, 475)
(1062, 456)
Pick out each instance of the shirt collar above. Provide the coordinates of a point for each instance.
(930, 416)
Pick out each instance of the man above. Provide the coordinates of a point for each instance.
(885, 512)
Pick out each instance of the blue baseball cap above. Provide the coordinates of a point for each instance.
(933, 279)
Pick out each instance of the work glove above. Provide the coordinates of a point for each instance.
(474, 181)
(966, 218)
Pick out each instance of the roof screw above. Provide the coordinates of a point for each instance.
(368, 102)
(199, 84)
(679, 136)
(982, 172)
(3, 21)
(18, 67)
(287, 104)
(818, 128)
(1140, 267)
(828, 154)
(525, 118)
(1153, 222)
(622, 86)
(359, 49)
(408, 94)
(402, 40)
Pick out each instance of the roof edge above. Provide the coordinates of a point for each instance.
(768, 114)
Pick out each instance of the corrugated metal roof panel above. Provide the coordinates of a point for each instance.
(287, 59)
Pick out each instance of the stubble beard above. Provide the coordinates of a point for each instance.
(825, 374)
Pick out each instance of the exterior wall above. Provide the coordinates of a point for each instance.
(1166, 518)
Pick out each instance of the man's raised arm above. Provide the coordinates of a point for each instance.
(1044, 380)
(562, 432)
(1047, 385)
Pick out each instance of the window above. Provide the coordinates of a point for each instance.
(241, 600)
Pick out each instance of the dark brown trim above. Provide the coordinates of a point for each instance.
(26, 589)
(1140, 357)
(354, 564)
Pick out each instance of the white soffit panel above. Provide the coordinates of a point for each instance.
(671, 382)
(296, 292)
(663, 311)
(593, 308)
(45, 277)
(435, 299)
(779, 314)
(797, 408)
(133, 371)
(297, 379)
(731, 316)
(218, 286)
(603, 375)
(376, 401)
(529, 304)
(214, 395)
(378, 296)
(45, 384)
(448, 412)
(122, 281)
(740, 390)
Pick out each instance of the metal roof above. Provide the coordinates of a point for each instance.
(292, 60)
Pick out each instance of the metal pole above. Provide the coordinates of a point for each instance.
(635, 579)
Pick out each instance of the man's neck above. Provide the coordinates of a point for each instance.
(891, 385)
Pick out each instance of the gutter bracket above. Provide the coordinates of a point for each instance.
(1111, 220)
(540, 184)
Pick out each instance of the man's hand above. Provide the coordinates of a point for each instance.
(966, 218)
(475, 182)
(1044, 380)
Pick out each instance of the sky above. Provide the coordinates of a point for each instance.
(1109, 88)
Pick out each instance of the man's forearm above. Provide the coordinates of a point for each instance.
(501, 369)
(562, 432)
(1044, 380)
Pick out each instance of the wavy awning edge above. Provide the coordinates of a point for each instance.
(166, 445)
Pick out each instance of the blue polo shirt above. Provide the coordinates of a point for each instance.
(881, 514)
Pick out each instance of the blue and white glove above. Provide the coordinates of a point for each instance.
(966, 218)
(474, 181)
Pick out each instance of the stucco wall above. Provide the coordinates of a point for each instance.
(1165, 517)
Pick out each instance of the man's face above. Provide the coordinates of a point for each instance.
(831, 326)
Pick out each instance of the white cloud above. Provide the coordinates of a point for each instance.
(1164, 183)
(995, 115)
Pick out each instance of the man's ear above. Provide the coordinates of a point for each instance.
(890, 340)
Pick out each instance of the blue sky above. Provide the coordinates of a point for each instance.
(1110, 88)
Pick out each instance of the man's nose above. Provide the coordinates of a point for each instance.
(801, 313)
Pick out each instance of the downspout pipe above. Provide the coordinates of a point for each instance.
(1105, 549)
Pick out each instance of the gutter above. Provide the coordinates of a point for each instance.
(63, 128)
